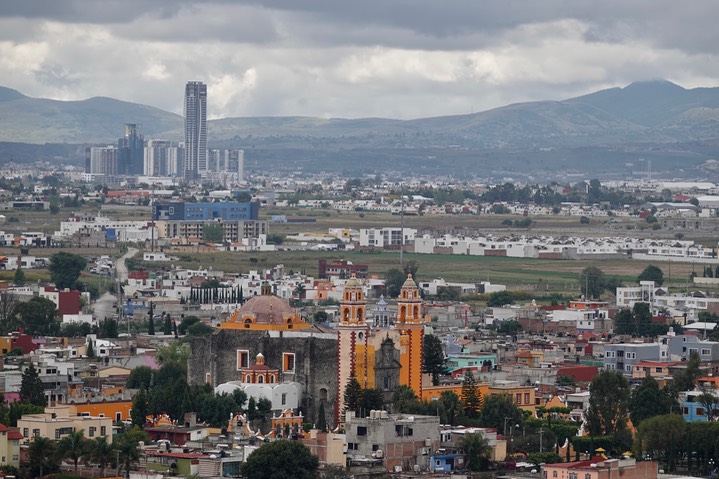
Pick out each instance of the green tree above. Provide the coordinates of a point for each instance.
(19, 278)
(394, 279)
(321, 424)
(592, 282)
(8, 313)
(37, 316)
(212, 233)
(648, 400)
(478, 451)
(281, 460)
(42, 457)
(140, 409)
(499, 410)
(608, 404)
(471, 397)
(140, 377)
(65, 269)
(451, 406)
(127, 446)
(352, 394)
(73, 446)
(151, 320)
(31, 388)
(500, 298)
(662, 437)
(167, 326)
(433, 357)
(90, 350)
(101, 453)
(509, 326)
(370, 399)
(652, 273)
(200, 329)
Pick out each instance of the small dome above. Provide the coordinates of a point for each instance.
(353, 282)
(266, 309)
(409, 283)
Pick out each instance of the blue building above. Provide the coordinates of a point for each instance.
(206, 211)
(694, 411)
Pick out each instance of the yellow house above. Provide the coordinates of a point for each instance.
(10, 446)
(522, 396)
(57, 422)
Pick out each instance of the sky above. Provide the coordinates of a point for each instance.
(369, 58)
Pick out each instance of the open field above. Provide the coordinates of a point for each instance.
(529, 274)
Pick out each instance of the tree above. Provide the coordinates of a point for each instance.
(127, 446)
(31, 388)
(281, 460)
(662, 436)
(43, 459)
(500, 298)
(608, 404)
(151, 320)
(685, 379)
(19, 278)
(652, 273)
(509, 326)
(8, 314)
(73, 447)
(370, 398)
(709, 401)
(167, 326)
(478, 451)
(648, 400)
(352, 394)
(140, 409)
(393, 281)
(592, 282)
(200, 329)
(451, 406)
(499, 410)
(65, 269)
(433, 357)
(38, 316)
(471, 397)
(90, 350)
(212, 233)
(101, 453)
(140, 377)
(321, 424)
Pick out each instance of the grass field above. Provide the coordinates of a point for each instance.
(529, 274)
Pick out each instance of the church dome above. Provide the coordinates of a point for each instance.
(409, 282)
(266, 309)
(353, 282)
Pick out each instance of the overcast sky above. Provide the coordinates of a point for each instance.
(337, 58)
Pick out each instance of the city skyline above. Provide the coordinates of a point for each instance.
(352, 60)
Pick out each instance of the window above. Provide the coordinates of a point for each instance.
(587, 476)
(700, 411)
(526, 398)
(92, 431)
(288, 362)
(284, 398)
(103, 430)
(518, 397)
(352, 446)
(361, 430)
(554, 473)
(243, 359)
(25, 432)
(36, 432)
(706, 352)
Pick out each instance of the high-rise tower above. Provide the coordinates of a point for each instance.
(131, 151)
(195, 130)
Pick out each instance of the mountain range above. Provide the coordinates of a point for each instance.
(645, 119)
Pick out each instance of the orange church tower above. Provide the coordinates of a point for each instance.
(352, 340)
(410, 324)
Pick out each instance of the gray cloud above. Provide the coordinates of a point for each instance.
(401, 58)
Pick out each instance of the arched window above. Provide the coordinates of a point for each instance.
(402, 311)
(272, 378)
(248, 378)
(416, 311)
(359, 313)
(260, 379)
(347, 314)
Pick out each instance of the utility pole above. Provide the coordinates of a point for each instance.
(541, 434)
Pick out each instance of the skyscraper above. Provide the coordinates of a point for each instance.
(131, 151)
(195, 130)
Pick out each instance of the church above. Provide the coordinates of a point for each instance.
(267, 349)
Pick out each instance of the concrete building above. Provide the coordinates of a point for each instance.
(10, 445)
(600, 468)
(403, 441)
(624, 356)
(57, 422)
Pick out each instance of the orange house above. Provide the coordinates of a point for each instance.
(115, 410)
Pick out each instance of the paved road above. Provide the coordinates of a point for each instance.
(121, 268)
(105, 306)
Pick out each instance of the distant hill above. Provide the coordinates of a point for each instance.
(676, 128)
(99, 119)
